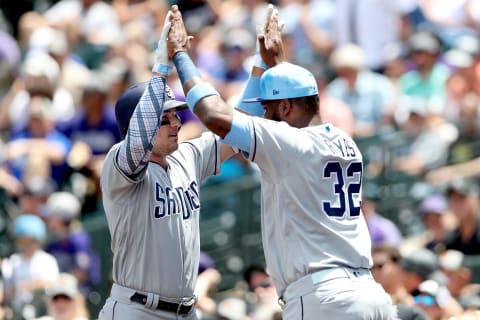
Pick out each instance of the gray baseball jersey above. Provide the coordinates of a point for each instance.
(154, 223)
(311, 197)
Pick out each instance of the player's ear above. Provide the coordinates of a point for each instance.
(285, 108)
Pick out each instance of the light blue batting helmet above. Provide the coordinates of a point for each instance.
(286, 81)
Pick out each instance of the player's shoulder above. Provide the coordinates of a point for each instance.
(327, 129)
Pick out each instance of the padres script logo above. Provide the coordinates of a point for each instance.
(175, 201)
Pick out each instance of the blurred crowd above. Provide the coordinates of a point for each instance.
(403, 73)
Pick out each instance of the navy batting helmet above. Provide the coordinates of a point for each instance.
(127, 102)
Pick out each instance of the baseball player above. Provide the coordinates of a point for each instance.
(315, 238)
(151, 189)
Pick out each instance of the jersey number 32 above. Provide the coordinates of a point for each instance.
(343, 191)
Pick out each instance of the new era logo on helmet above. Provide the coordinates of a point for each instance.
(275, 92)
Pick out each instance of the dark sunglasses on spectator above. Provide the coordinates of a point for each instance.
(264, 285)
(61, 296)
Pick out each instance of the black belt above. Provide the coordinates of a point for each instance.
(165, 305)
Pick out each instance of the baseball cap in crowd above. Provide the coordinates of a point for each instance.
(422, 261)
(424, 41)
(63, 205)
(434, 203)
(437, 293)
(348, 56)
(127, 102)
(286, 81)
(469, 44)
(462, 186)
(452, 260)
(31, 226)
(66, 285)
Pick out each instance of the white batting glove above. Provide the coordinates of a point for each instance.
(162, 65)
(258, 62)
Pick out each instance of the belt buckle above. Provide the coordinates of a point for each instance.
(187, 302)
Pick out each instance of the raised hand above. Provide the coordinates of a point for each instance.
(270, 42)
(162, 64)
(177, 39)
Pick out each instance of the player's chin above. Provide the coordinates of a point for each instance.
(173, 143)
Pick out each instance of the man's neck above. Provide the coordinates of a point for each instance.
(316, 120)
(161, 161)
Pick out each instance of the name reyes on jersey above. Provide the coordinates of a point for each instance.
(341, 147)
(176, 201)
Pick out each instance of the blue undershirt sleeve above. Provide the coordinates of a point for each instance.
(239, 134)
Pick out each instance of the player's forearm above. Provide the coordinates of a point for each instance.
(202, 99)
(135, 152)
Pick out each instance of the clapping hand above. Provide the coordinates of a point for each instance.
(270, 41)
(177, 39)
(162, 65)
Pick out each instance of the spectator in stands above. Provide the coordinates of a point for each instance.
(462, 98)
(9, 59)
(368, 94)
(94, 124)
(382, 230)
(465, 204)
(73, 74)
(418, 266)
(68, 241)
(30, 269)
(238, 44)
(93, 26)
(310, 27)
(438, 221)
(93, 130)
(39, 147)
(387, 271)
(427, 80)
(332, 110)
(64, 300)
(451, 19)
(208, 280)
(373, 24)
(452, 264)
(40, 76)
(262, 303)
(129, 11)
(436, 301)
(423, 278)
(428, 137)
(36, 190)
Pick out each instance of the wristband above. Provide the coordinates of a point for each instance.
(162, 68)
(252, 90)
(198, 92)
(259, 62)
(185, 67)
